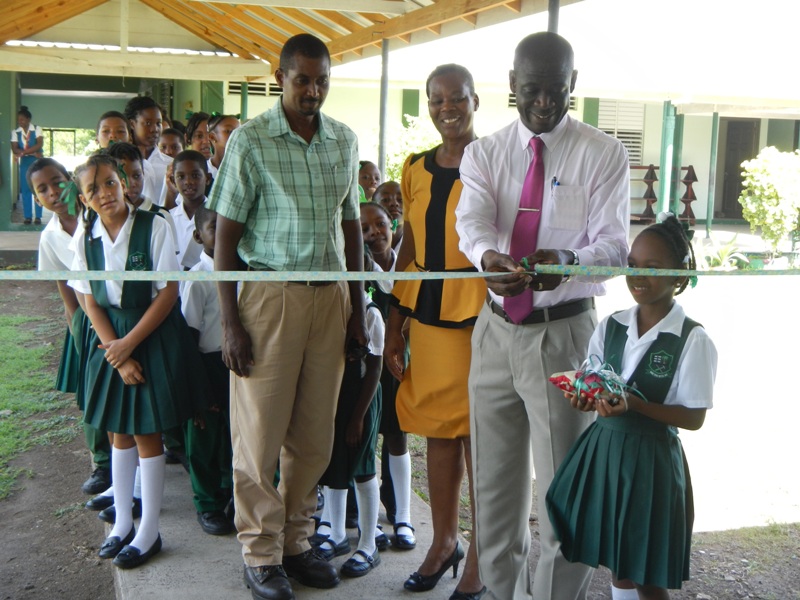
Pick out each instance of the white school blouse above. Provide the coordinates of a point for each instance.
(116, 255)
(188, 250)
(55, 252)
(200, 306)
(693, 385)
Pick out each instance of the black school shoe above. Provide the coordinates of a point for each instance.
(99, 481)
(268, 583)
(100, 502)
(112, 545)
(109, 515)
(214, 522)
(356, 568)
(131, 557)
(310, 569)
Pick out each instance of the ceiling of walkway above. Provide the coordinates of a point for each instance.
(225, 39)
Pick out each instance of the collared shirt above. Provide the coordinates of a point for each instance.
(188, 248)
(115, 254)
(148, 204)
(157, 179)
(25, 135)
(152, 186)
(585, 206)
(292, 196)
(55, 253)
(386, 285)
(200, 306)
(693, 385)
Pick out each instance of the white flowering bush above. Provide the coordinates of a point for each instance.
(770, 196)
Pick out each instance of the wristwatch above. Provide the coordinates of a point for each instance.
(575, 261)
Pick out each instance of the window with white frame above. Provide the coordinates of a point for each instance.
(625, 121)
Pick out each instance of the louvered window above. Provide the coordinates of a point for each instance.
(255, 88)
(625, 121)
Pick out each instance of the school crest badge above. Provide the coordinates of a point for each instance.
(660, 364)
(137, 261)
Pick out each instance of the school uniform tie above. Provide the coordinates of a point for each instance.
(526, 228)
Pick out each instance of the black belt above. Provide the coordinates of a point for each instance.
(319, 283)
(543, 315)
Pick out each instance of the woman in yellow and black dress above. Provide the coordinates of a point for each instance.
(432, 400)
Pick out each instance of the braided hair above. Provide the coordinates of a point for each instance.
(95, 161)
(193, 124)
(673, 233)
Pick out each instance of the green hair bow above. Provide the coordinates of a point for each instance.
(69, 196)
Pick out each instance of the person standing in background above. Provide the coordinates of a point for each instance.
(26, 145)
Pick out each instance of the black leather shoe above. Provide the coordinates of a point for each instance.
(131, 557)
(214, 522)
(99, 481)
(332, 549)
(356, 568)
(100, 502)
(465, 596)
(404, 542)
(310, 569)
(268, 583)
(423, 583)
(318, 538)
(109, 515)
(382, 541)
(113, 545)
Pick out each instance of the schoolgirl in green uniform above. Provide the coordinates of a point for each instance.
(622, 498)
(141, 376)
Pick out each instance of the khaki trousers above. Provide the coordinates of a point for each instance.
(285, 409)
(514, 410)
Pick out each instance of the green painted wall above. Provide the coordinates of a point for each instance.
(45, 81)
(68, 111)
(591, 111)
(410, 105)
(187, 95)
(781, 134)
(8, 122)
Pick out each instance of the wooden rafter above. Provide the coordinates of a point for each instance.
(198, 25)
(24, 18)
(341, 20)
(238, 22)
(313, 26)
(422, 18)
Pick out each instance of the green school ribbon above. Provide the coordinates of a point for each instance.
(69, 196)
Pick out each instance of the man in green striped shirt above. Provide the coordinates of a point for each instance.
(287, 199)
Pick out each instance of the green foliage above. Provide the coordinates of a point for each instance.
(771, 194)
(714, 255)
(418, 136)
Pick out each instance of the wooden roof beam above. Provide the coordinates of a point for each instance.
(310, 24)
(25, 18)
(422, 18)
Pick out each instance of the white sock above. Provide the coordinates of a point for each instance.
(368, 498)
(123, 465)
(137, 483)
(325, 516)
(623, 594)
(337, 500)
(400, 468)
(153, 471)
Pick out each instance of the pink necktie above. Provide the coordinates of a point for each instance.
(526, 228)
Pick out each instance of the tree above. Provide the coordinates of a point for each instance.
(419, 135)
(770, 196)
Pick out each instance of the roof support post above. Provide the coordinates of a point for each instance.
(712, 173)
(384, 108)
(553, 7)
(667, 149)
(243, 102)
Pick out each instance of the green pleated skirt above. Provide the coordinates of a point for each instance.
(71, 369)
(622, 498)
(349, 462)
(175, 388)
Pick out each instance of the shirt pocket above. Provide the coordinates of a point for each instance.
(569, 207)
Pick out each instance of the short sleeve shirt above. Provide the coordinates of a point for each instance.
(291, 196)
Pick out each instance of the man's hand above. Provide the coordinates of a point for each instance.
(541, 282)
(512, 284)
(237, 349)
(356, 330)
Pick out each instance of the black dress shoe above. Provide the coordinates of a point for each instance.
(268, 583)
(99, 481)
(404, 542)
(465, 596)
(113, 545)
(332, 550)
(214, 522)
(310, 569)
(131, 557)
(319, 538)
(423, 583)
(356, 568)
(100, 502)
(109, 515)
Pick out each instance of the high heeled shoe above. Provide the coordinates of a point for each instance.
(423, 583)
(467, 596)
